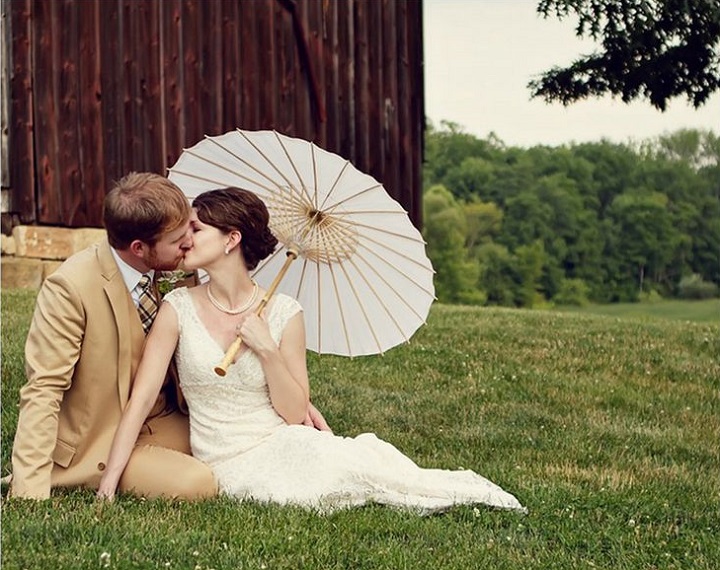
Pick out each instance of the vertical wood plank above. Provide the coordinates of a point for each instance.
(150, 89)
(45, 81)
(375, 90)
(111, 90)
(142, 53)
(72, 208)
(249, 53)
(403, 164)
(267, 65)
(331, 64)
(91, 146)
(132, 98)
(361, 87)
(211, 69)
(5, 50)
(192, 112)
(417, 106)
(231, 67)
(312, 18)
(22, 164)
(346, 78)
(172, 75)
(390, 99)
(289, 69)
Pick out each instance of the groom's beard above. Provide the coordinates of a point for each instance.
(158, 264)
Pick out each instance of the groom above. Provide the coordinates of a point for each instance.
(84, 344)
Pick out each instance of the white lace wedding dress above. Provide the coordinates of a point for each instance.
(256, 455)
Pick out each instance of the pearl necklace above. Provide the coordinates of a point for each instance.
(220, 307)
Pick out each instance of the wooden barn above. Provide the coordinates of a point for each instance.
(93, 89)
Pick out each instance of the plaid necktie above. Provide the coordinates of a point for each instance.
(147, 304)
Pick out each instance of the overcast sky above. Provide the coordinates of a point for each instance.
(480, 55)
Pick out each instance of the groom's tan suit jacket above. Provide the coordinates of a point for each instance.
(82, 350)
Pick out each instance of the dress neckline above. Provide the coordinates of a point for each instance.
(244, 350)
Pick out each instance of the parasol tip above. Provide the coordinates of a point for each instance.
(220, 371)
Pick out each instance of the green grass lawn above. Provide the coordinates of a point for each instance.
(707, 311)
(607, 429)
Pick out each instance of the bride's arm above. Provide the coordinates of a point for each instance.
(285, 367)
(159, 349)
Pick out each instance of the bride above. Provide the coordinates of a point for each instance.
(247, 425)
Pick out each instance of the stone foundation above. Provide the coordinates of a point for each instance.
(32, 253)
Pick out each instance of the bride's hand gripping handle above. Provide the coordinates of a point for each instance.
(234, 348)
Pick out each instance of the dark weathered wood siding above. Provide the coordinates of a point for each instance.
(102, 87)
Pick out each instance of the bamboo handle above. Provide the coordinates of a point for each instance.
(234, 348)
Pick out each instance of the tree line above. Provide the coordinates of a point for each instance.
(586, 222)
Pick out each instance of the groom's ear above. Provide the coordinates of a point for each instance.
(139, 248)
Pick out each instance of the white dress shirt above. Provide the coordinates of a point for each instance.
(131, 276)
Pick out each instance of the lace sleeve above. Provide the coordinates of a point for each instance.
(178, 299)
(284, 309)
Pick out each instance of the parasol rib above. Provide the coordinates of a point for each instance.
(213, 181)
(301, 280)
(272, 256)
(382, 231)
(385, 247)
(334, 184)
(362, 306)
(220, 183)
(390, 265)
(380, 300)
(269, 162)
(315, 174)
(216, 142)
(319, 306)
(342, 312)
(274, 182)
(323, 245)
(293, 165)
(347, 199)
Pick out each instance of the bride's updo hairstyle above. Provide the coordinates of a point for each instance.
(230, 209)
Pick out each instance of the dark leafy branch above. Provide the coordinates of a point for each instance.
(653, 49)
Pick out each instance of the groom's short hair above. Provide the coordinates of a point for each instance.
(143, 206)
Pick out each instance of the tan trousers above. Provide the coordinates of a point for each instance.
(161, 464)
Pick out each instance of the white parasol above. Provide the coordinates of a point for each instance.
(362, 275)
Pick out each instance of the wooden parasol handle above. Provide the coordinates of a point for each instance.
(234, 348)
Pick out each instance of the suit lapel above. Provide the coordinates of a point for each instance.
(130, 340)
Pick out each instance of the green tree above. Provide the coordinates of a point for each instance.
(684, 145)
(685, 167)
(616, 216)
(483, 224)
(658, 49)
(572, 292)
(529, 261)
(527, 218)
(705, 249)
(706, 241)
(470, 178)
(447, 147)
(499, 276)
(644, 228)
(444, 230)
(613, 166)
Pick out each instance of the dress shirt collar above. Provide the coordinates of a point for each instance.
(130, 275)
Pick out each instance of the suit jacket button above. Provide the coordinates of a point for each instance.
(101, 466)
